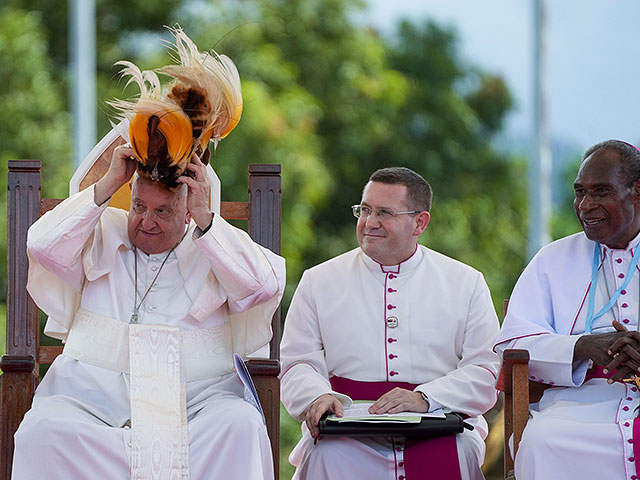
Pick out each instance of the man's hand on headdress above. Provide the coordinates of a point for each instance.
(121, 169)
(198, 195)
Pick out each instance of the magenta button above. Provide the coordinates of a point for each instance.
(623, 292)
(619, 260)
(391, 340)
(625, 408)
(626, 320)
(392, 373)
(621, 275)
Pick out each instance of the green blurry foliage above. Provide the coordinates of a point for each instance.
(331, 101)
(34, 123)
(564, 221)
(444, 131)
(327, 98)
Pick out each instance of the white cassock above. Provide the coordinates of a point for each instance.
(337, 325)
(579, 429)
(215, 295)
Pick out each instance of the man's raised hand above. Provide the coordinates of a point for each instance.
(121, 169)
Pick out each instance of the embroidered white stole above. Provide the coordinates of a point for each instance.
(159, 434)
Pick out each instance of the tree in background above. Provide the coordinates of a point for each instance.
(325, 96)
(445, 131)
(34, 122)
(332, 101)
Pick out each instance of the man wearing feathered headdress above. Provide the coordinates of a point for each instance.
(152, 303)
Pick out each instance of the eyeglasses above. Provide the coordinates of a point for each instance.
(381, 214)
(140, 209)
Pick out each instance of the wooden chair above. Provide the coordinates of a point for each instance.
(519, 392)
(20, 364)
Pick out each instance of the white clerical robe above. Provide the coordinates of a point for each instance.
(579, 429)
(338, 325)
(82, 260)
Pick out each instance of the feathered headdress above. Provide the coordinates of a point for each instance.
(166, 126)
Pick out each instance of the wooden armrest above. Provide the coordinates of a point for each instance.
(264, 372)
(17, 363)
(269, 367)
(515, 368)
(515, 363)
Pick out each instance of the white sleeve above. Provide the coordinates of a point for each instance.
(55, 242)
(470, 388)
(248, 273)
(529, 325)
(304, 370)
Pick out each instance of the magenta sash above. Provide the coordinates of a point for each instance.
(430, 459)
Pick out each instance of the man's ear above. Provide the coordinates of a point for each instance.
(187, 218)
(422, 220)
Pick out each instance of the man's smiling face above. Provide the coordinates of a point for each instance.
(606, 206)
(157, 217)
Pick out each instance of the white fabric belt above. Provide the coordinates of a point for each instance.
(104, 342)
(159, 429)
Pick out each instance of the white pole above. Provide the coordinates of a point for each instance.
(540, 165)
(83, 79)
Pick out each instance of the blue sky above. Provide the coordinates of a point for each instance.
(593, 61)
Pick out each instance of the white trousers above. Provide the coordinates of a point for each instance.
(581, 433)
(75, 432)
(371, 459)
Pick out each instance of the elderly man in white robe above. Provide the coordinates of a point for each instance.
(160, 298)
(575, 309)
(396, 323)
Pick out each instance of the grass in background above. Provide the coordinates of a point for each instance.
(289, 436)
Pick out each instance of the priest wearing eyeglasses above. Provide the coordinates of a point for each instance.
(395, 323)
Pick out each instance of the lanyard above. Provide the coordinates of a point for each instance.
(594, 282)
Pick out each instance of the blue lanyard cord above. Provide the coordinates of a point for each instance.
(594, 282)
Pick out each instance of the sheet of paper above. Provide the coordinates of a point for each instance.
(250, 392)
(359, 412)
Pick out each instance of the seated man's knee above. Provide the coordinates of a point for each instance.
(237, 419)
(37, 430)
(331, 451)
(538, 435)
